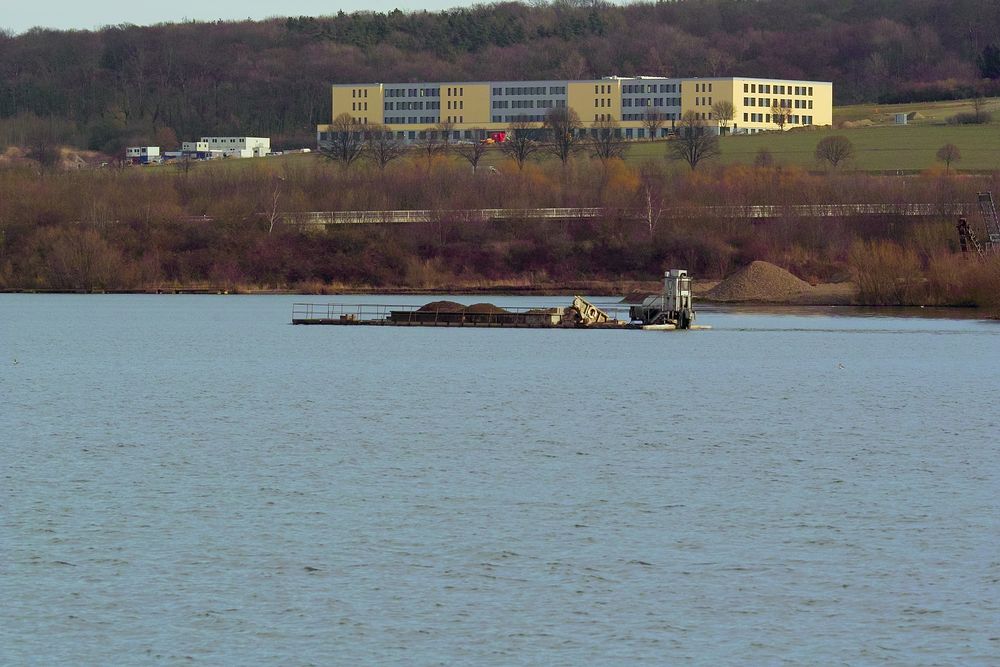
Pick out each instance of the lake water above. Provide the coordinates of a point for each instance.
(192, 480)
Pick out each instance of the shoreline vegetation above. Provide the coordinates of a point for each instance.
(220, 228)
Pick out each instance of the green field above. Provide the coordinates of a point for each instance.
(909, 147)
(926, 112)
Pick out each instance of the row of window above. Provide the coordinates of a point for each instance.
(778, 89)
(456, 105)
(602, 102)
(413, 92)
(530, 118)
(767, 102)
(529, 104)
(600, 89)
(357, 106)
(410, 120)
(529, 90)
(703, 101)
(651, 102)
(640, 88)
(792, 119)
(648, 114)
(411, 106)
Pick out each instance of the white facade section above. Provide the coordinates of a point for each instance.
(142, 151)
(235, 146)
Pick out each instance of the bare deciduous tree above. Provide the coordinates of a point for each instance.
(472, 151)
(431, 145)
(949, 153)
(346, 142)
(723, 111)
(446, 131)
(520, 143)
(383, 146)
(562, 126)
(978, 105)
(780, 113)
(652, 121)
(694, 143)
(651, 195)
(763, 158)
(836, 150)
(606, 141)
(273, 215)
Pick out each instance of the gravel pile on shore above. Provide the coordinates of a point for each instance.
(759, 281)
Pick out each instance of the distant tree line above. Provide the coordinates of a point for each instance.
(164, 83)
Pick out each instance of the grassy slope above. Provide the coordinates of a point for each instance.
(877, 148)
(883, 146)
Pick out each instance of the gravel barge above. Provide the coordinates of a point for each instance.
(671, 309)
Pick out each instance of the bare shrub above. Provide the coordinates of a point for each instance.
(763, 158)
(79, 259)
(886, 274)
(836, 150)
(980, 118)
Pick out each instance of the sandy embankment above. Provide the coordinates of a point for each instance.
(763, 282)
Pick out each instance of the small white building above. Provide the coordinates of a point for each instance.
(142, 154)
(194, 147)
(238, 146)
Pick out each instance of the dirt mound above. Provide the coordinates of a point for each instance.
(441, 307)
(759, 281)
(854, 124)
(484, 309)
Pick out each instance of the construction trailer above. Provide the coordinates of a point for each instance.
(143, 154)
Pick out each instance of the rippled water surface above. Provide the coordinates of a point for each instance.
(191, 480)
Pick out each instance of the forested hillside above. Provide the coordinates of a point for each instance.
(129, 83)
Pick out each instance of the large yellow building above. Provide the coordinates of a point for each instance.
(472, 109)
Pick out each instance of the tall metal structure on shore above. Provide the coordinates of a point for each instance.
(967, 238)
